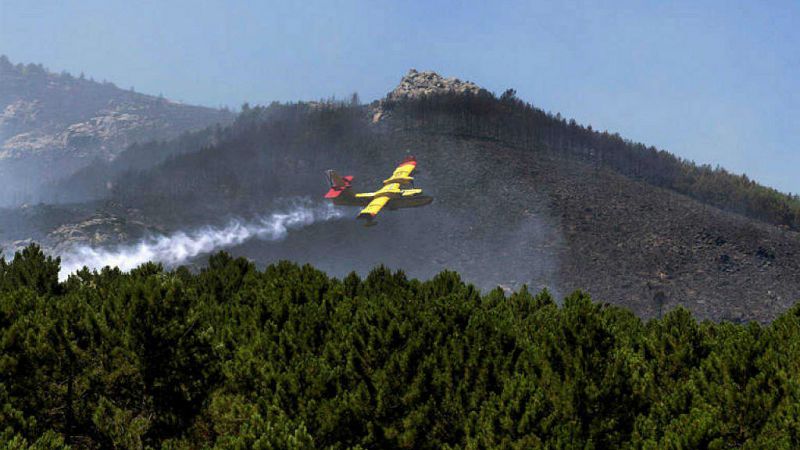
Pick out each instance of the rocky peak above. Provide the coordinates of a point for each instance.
(417, 84)
(420, 84)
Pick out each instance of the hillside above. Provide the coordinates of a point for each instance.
(522, 197)
(53, 124)
(289, 358)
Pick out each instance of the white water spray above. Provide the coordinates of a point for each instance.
(177, 248)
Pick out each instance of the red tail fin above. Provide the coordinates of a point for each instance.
(338, 183)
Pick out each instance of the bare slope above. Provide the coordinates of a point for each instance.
(508, 216)
(651, 249)
(502, 216)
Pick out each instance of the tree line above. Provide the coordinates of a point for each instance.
(286, 357)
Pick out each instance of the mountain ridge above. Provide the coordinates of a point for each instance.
(53, 124)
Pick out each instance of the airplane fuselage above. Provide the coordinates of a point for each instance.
(392, 195)
(403, 199)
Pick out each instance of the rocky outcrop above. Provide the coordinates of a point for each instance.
(420, 84)
(101, 229)
(103, 136)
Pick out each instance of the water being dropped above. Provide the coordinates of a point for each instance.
(177, 248)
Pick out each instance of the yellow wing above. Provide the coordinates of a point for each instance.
(404, 170)
(373, 208)
(402, 174)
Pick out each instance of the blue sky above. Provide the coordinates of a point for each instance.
(716, 81)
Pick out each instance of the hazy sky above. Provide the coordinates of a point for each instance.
(715, 82)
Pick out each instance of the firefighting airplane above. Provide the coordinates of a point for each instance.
(391, 195)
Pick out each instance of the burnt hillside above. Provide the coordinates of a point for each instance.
(522, 196)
